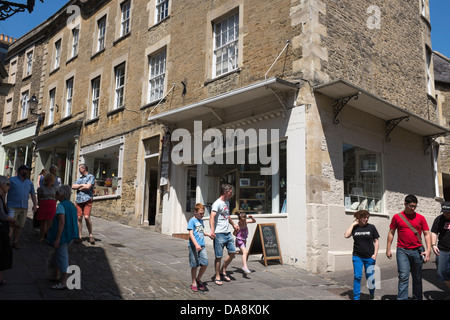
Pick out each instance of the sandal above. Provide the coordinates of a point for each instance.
(218, 282)
(194, 288)
(227, 278)
(91, 240)
(201, 286)
(59, 286)
(78, 240)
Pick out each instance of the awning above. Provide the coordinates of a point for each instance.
(251, 96)
(345, 93)
(58, 136)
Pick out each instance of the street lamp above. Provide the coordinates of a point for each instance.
(7, 8)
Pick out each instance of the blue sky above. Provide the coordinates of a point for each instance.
(21, 23)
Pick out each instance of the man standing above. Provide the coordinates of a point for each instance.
(21, 188)
(410, 252)
(85, 192)
(441, 230)
(220, 232)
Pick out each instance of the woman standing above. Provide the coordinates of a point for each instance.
(63, 231)
(365, 250)
(47, 204)
(6, 254)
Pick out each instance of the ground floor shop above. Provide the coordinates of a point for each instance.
(336, 155)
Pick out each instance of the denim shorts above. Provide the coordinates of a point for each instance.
(197, 258)
(220, 241)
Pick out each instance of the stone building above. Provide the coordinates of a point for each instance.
(442, 84)
(302, 105)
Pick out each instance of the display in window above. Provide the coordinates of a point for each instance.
(362, 179)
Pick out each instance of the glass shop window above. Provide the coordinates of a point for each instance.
(363, 179)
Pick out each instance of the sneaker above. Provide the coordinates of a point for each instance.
(246, 270)
(194, 288)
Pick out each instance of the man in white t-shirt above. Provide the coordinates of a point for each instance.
(220, 232)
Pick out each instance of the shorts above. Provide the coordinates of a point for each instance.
(84, 208)
(220, 241)
(21, 216)
(59, 257)
(241, 243)
(197, 258)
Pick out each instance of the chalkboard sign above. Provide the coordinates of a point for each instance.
(265, 242)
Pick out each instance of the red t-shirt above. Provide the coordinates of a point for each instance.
(405, 236)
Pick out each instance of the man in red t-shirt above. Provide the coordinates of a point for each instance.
(410, 252)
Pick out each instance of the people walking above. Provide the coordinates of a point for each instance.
(85, 193)
(63, 231)
(6, 254)
(198, 256)
(46, 204)
(411, 255)
(241, 238)
(365, 251)
(21, 188)
(41, 177)
(440, 243)
(219, 222)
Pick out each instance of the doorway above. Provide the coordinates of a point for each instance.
(151, 192)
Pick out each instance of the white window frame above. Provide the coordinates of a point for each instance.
(57, 61)
(161, 10)
(51, 108)
(125, 23)
(87, 152)
(119, 89)
(101, 33)
(75, 41)
(222, 46)
(29, 55)
(95, 95)
(69, 96)
(156, 75)
(24, 105)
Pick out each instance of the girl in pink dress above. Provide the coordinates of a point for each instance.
(241, 238)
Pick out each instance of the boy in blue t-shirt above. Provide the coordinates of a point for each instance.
(197, 250)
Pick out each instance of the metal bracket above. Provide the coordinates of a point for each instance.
(428, 141)
(339, 104)
(391, 124)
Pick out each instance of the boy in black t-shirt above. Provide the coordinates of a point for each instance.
(365, 250)
(441, 231)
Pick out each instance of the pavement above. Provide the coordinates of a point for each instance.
(135, 263)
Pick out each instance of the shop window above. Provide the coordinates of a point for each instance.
(191, 188)
(15, 157)
(254, 193)
(363, 179)
(105, 163)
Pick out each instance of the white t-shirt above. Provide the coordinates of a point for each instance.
(221, 218)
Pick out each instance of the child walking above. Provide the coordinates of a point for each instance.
(197, 250)
(241, 237)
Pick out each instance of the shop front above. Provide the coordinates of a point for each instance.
(58, 147)
(252, 138)
(17, 148)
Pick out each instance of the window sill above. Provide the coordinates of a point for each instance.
(159, 22)
(91, 121)
(238, 70)
(378, 214)
(259, 216)
(115, 111)
(53, 71)
(96, 54)
(72, 59)
(121, 38)
(110, 196)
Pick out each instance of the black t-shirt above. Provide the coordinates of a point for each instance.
(364, 237)
(441, 226)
